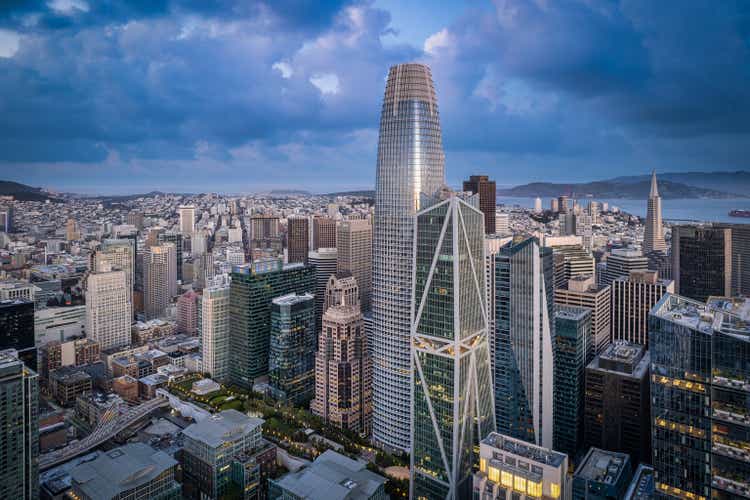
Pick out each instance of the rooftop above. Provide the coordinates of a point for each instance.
(684, 311)
(571, 312)
(333, 476)
(603, 466)
(291, 299)
(643, 484)
(623, 357)
(221, 427)
(524, 449)
(121, 469)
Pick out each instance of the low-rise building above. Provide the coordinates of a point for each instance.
(126, 387)
(602, 475)
(512, 468)
(67, 383)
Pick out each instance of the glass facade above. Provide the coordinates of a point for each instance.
(291, 361)
(702, 261)
(700, 386)
(410, 162)
(19, 430)
(17, 329)
(573, 350)
(523, 338)
(250, 294)
(451, 384)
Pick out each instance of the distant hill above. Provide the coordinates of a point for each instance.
(22, 192)
(730, 182)
(629, 188)
(364, 194)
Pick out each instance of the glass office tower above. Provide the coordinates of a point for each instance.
(700, 392)
(252, 288)
(452, 388)
(410, 162)
(524, 329)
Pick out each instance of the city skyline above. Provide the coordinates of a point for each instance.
(234, 98)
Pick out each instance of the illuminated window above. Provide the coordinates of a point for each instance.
(555, 490)
(494, 474)
(534, 489)
(519, 484)
(483, 465)
(507, 479)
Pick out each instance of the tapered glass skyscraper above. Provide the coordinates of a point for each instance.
(410, 162)
(452, 386)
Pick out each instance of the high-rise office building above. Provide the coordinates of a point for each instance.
(583, 291)
(17, 329)
(176, 239)
(117, 255)
(563, 204)
(291, 355)
(492, 245)
(485, 188)
(537, 205)
(621, 261)
(72, 230)
(572, 261)
(523, 341)
(617, 403)
(108, 310)
(700, 388)
(135, 219)
(410, 162)
(251, 291)
(632, 299)
(573, 349)
(19, 429)
(354, 245)
(653, 236)
(187, 313)
(740, 257)
(452, 385)
(324, 233)
(554, 205)
(324, 262)
(159, 278)
(298, 239)
(502, 223)
(343, 368)
(187, 219)
(510, 468)
(702, 261)
(215, 329)
(203, 269)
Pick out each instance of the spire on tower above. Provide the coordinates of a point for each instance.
(654, 189)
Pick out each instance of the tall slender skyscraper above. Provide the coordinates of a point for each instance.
(410, 162)
(187, 219)
(452, 385)
(482, 185)
(523, 341)
(354, 245)
(297, 239)
(117, 255)
(653, 238)
(159, 278)
(215, 329)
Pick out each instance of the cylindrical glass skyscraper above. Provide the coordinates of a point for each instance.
(410, 162)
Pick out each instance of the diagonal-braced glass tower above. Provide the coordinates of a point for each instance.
(452, 384)
(410, 162)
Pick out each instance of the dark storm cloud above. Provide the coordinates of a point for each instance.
(281, 87)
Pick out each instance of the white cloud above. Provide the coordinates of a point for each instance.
(284, 68)
(443, 39)
(327, 83)
(9, 41)
(68, 7)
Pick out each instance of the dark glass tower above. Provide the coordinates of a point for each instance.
(700, 391)
(702, 261)
(573, 349)
(17, 329)
(176, 238)
(251, 291)
(291, 359)
(19, 430)
(410, 162)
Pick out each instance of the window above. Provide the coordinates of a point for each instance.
(555, 490)
(507, 479)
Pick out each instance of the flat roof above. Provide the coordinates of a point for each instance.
(686, 312)
(602, 466)
(524, 449)
(121, 469)
(333, 476)
(220, 427)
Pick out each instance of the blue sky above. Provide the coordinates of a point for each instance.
(240, 96)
